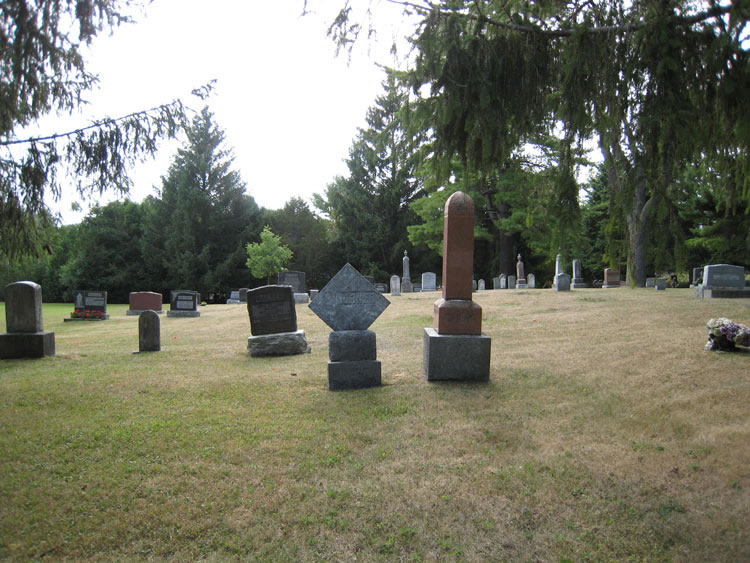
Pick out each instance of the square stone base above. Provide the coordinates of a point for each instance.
(726, 293)
(178, 313)
(457, 357)
(578, 283)
(27, 345)
(353, 375)
(278, 344)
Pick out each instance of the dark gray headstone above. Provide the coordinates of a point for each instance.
(293, 278)
(563, 282)
(243, 294)
(349, 301)
(271, 310)
(650, 282)
(91, 301)
(661, 284)
(149, 332)
(723, 275)
(183, 303)
(23, 318)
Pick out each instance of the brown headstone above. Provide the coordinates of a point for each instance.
(456, 313)
(145, 300)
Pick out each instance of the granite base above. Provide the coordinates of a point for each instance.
(457, 357)
(14, 345)
(278, 344)
(353, 375)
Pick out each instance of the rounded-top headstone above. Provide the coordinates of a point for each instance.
(149, 332)
(23, 307)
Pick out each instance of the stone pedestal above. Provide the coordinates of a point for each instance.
(353, 375)
(353, 362)
(278, 344)
(578, 283)
(27, 345)
(407, 286)
(521, 284)
(457, 316)
(458, 357)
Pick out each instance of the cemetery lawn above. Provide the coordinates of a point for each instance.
(605, 433)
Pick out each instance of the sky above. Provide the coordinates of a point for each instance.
(289, 107)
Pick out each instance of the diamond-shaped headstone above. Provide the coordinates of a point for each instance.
(349, 301)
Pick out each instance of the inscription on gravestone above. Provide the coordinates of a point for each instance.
(271, 310)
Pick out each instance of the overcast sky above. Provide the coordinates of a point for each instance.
(290, 109)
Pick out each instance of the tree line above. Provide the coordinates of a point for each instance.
(501, 101)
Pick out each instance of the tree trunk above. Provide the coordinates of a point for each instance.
(638, 224)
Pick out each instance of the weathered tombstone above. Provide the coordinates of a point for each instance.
(183, 303)
(562, 282)
(234, 298)
(293, 278)
(578, 282)
(349, 304)
(558, 268)
(531, 281)
(149, 332)
(650, 282)
(456, 348)
(723, 280)
(273, 322)
(661, 284)
(481, 285)
(520, 272)
(429, 281)
(89, 306)
(503, 281)
(611, 278)
(25, 336)
(511, 282)
(495, 283)
(243, 294)
(395, 286)
(406, 285)
(144, 301)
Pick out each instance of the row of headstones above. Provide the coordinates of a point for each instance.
(92, 305)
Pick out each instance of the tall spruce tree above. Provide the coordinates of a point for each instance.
(205, 214)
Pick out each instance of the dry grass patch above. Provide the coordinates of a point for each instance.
(606, 432)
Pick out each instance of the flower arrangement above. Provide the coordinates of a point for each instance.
(87, 314)
(724, 334)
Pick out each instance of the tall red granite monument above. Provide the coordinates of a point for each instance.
(455, 348)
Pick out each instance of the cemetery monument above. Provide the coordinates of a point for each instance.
(521, 281)
(89, 306)
(395, 286)
(184, 303)
(149, 332)
(578, 282)
(144, 301)
(406, 285)
(25, 336)
(273, 322)
(723, 280)
(455, 348)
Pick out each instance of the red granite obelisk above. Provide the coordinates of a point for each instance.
(456, 313)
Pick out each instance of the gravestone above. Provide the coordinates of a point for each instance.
(406, 285)
(381, 287)
(25, 336)
(562, 282)
(520, 272)
(503, 281)
(243, 294)
(349, 304)
(234, 298)
(474, 285)
(429, 281)
(149, 332)
(416, 288)
(611, 278)
(144, 301)
(395, 286)
(511, 282)
(531, 281)
(293, 278)
(650, 282)
(481, 286)
(183, 303)
(495, 283)
(273, 322)
(558, 268)
(456, 349)
(89, 306)
(723, 280)
(578, 282)
(661, 284)
(313, 293)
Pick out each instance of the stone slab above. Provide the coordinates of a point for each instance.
(279, 344)
(145, 301)
(149, 332)
(23, 307)
(271, 310)
(294, 278)
(352, 345)
(354, 375)
(17, 345)
(723, 275)
(726, 293)
(661, 284)
(457, 316)
(452, 357)
(562, 282)
(349, 301)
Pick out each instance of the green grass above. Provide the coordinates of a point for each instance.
(605, 433)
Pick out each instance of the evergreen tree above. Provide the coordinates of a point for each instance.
(42, 70)
(205, 215)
